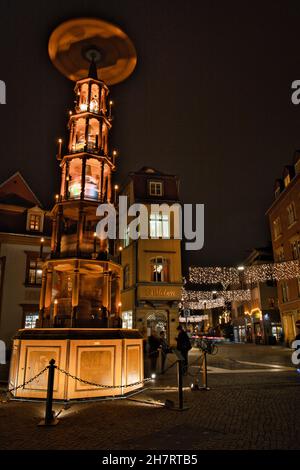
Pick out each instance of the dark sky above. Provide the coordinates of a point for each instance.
(209, 101)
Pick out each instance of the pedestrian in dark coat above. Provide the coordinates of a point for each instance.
(153, 345)
(183, 345)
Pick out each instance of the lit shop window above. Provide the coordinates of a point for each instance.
(34, 269)
(79, 138)
(155, 188)
(127, 320)
(30, 320)
(159, 225)
(159, 270)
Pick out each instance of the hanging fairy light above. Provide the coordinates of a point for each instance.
(232, 276)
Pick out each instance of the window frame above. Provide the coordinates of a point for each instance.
(33, 256)
(156, 183)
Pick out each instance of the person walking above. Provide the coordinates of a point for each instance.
(183, 345)
(164, 350)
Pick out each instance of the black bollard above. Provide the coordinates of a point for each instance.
(204, 372)
(50, 419)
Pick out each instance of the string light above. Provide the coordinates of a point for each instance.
(231, 276)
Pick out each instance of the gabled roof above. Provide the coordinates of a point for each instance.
(17, 189)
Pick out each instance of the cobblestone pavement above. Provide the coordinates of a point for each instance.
(252, 404)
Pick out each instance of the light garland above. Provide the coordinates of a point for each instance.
(228, 296)
(230, 276)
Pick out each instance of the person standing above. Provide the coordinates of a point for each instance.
(153, 345)
(183, 345)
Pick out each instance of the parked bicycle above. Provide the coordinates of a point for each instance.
(206, 345)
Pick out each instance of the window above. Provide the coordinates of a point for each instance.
(126, 239)
(280, 255)
(126, 277)
(155, 188)
(295, 245)
(159, 270)
(287, 180)
(34, 269)
(159, 225)
(285, 292)
(291, 213)
(34, 222)
(277, 227)
(30, 320)
(127, 320)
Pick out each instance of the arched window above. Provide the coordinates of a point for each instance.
(93, 135)
(159, 270)
(94, 103)
(79, 136)
(83, 99)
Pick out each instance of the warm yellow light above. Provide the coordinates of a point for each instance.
(120, 248)
(116, 187)
(241, 268)
(120, 304)
(70, 113)
(83, 107)
(59, 141)
(56, 196)
(111, 102)
(114, 153)
(95, 234)
(42, 240)
(56, 301)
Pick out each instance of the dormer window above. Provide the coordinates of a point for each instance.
(287, 180)
(35, 220)
(155, 188)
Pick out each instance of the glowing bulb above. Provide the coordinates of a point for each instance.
(153, 376)
(59, 141)
(95, 234)
(120, 304)
(116, 187)
(114, 153)
(56, 301)
(120, 248)
(241, 268)
(42, 240)
(111, 103)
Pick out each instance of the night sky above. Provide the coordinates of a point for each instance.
(210, 100)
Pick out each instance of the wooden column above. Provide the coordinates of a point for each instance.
(80, 227)
(42, 297)
(48, 290)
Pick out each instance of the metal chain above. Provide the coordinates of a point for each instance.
(86, 382)
(10, 390)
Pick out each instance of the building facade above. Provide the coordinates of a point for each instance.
(152, 278)
(284, 220)
(24, 243)
(258, 319)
